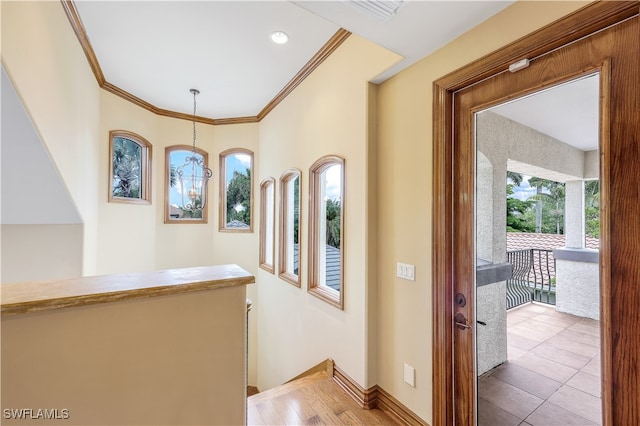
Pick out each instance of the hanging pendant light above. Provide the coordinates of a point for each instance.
(193, 175)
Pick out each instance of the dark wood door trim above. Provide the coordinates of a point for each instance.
(588, 20)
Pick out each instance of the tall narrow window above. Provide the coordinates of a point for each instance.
(236, 203)
(267, 223)
(130, 168)
(326, 224)
(174, 194)
(290, 227)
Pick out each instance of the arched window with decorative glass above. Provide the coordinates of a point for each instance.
(289, 259)
(267, 223)
(179, 206)
(326, 229)
(129, 168)
(236, 183)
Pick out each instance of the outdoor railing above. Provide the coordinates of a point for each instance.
(533, 277)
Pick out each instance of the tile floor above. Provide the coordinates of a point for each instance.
(553, 373)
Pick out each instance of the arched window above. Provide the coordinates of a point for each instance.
(290, 227)
(326, 230)
(173, 212)
(236, 183)
(129, 168)
(267, 223)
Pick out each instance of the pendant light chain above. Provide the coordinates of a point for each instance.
(192, 177)
(195, 92)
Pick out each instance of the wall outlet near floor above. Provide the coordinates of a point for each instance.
(409, 375)
(406, 271)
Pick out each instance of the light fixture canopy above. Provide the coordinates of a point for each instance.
(193, 175)
(279, 37)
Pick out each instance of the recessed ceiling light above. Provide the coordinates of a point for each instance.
(279, 37)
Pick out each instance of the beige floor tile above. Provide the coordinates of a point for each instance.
(529, 310)
(593, 367)
(516, 319)
(578, 402)
(513, 352)
(492, 415)
(534, 332)
(591, 322)
(546, 347)
(562, 321)
(575, 336)
(570, 359)
(549, 414)
(586, 329)
(562, 342)
(527, 380)
(507, 397)
(521, 342)
(545, 367)
(586, 383)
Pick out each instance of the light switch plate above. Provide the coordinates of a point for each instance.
(409, 375)
(406, 271)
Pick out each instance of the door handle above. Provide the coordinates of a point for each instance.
(461, 321)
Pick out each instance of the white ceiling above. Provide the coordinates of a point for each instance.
(158, 50)
(568, 112)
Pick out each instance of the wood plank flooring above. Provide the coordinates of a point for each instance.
(311, 400)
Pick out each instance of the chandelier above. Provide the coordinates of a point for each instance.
(194, 174)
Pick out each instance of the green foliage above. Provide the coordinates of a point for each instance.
(173, 176)
(592, 208)
(193, 214)
(516, 210)
(127, 160)
(239, 198)
(515, 178)
(333, 223)
(552, 204)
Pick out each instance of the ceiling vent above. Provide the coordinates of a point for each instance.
(382, 10)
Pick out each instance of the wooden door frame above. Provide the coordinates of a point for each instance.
(588, 20)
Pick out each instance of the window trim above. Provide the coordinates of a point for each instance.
(286, 177)
(222, 194)
(167, 170)
(329, 295)
(264, 228)
(146, 156)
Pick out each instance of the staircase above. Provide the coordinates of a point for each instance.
(312, 399)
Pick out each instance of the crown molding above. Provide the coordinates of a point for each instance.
(78, 28)
(329, 47)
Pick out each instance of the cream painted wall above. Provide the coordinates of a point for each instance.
(176, 359)
(405, 196)
(326, 114)
(134, 237)
(40, 252)
(126, 234)
(53, 79)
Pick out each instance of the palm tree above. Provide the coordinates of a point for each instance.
(514, 177)
(554, 198)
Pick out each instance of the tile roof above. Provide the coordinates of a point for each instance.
(526, 240)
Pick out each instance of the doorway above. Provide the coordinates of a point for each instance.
(537, 280)
(600, 38)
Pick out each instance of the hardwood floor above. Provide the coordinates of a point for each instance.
(311, 400)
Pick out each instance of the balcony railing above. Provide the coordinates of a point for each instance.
(533, 277)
